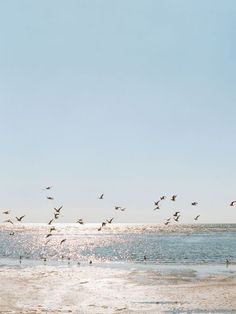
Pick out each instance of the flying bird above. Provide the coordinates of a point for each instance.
(80, 221)
(162, 197)
(52, 229)
(196, 218)
(12, 233)
(48, 188)
(48, 235)
(103, 224)
(156, 208)
(6, 212)
(58, 209)
(50, 198)
(117, 207)
(101, 197)
(50, 222)
(110, 221)
(173, 198)
(122, 209)
(232, 203)
(156, 203)
(177, 218)
(62, 241)
(8, 220)
(56, 215)
(194, 203)
(20, 218)
(176, 214)
(167, 222)
(100, 228)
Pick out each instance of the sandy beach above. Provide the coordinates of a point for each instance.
(92, 289)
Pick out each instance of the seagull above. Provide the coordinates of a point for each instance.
(177, 218)
(8, 220)
(168, 219)
(103, 224)
(56, 215)
(6, 212)
(90, 262)
(173, 198)
(194, 203)
(80, 221)
(167, 222)
(156, 203)
(100, 228)
(232, 203)
(19, 219)
(162, 197)
(48, 235)
(110, 221)
(48, 188)
(156, 208)
(20, 259)
(58, 209)
(52, 229)
(176, 214)
(50, 222)
(196, 218)
(122, 209)
(101, 197)
(117, 207)
(62, 241)
(50, 198)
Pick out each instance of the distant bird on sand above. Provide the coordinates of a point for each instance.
(7, 212)
(101, 197)
(8, 220)
(50, 222)
(110, 221)
(20, 218)
(194, 203)
(62, 241)
(173, 198)
(196, 218)
(58, 209)
(232, 203)
(50, 198)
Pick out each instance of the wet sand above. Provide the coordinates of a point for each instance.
(91, 289)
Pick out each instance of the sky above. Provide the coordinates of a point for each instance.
(133, 99)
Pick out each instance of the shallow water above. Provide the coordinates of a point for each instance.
(177, 244)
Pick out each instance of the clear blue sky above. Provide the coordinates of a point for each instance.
(133, 99)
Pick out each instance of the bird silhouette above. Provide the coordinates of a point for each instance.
(48, 235)
(110, 221)
(20, 218)
(56, 215)
(62, 241)
(52, 229)
(232, 203)
(58, 209)
(173, 198)
(50, 198)
(117, 207)
(196, 218)
(194, 203)
(7, 212)
(101, 197)
(9, 220)
(156, 203)
(162, 197)
(176, 214)
(48, 188)
(80, 221)
(50, 222)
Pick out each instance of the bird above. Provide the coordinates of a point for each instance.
(156, 208)
(50, 198)
(101, 197)
(20, 259)
(145, 258)
(20, 218)
(177, 218)
(52, 229)
(117, 207)
(100, 228)
(232, 203)
(122, 209)
(167, 222)
(194, 203)
(48, 235)
(9, 220)
(50, 222)
(103, 224)
(62, 241)
(7, 212)
(168, 219)
(47, 241)
(110, 221)
(173, 198)
(12, 233)
(58, 209)
(162, 197)
(156, 203)
(196, 218)
(90, 262)
(80, 221)
(176, 214)
(48, 188)
(56, 215)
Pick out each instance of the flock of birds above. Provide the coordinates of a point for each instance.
(57, 211)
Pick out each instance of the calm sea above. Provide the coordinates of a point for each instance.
(176, 244)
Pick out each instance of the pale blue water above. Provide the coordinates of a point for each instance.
(186, 244)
